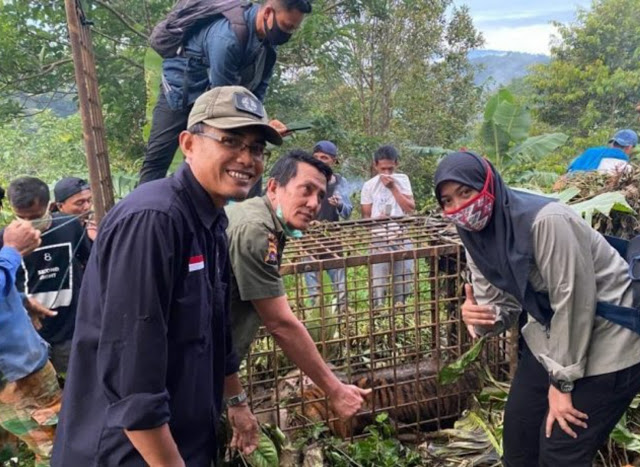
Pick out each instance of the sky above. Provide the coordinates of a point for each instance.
(520, 25)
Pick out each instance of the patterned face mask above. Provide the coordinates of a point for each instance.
(474, 215)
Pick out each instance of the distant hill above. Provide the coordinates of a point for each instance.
(495, 68)
(61, 104)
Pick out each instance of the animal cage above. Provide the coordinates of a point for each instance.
(381, 299)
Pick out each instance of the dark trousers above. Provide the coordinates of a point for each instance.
(603, 398)
(166, 125)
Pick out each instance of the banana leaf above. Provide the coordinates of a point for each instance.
(604, 203)
(452, 372)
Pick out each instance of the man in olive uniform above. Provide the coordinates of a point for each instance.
(257, 231)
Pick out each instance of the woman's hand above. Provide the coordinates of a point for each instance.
(561, 410)
(474, 314)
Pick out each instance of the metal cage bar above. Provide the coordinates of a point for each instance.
(395, 347)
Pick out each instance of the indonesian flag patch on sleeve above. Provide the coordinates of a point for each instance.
(196, 263)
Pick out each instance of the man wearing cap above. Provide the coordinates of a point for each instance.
(214, 55)
(50, 277)
(152, 355)
(258, 231)
(73, 198)
(335, 205)
(610, 159)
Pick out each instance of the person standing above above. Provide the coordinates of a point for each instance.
(73, 197)
(29, 391)
(335, 205)
(51, 275)
(258, 230)
(152, 354)
(213, 55)
(388, 194)
(610, 159)
(578, 371)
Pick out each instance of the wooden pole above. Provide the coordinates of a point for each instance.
(90, 109)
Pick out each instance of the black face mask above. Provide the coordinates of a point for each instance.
(276, 36)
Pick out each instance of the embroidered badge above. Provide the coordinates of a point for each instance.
(272, 250)
(248, 104)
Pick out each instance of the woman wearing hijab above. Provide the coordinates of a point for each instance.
(578, 372)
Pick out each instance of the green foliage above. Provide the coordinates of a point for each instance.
(43, 146)
(452, 372)
(623, 436)
(50, 147)
(152, 78)
(378, 449)
(505, 138)
(265, 455)
(34, 50)
(368, 73)
(604, 203)
(593, 80)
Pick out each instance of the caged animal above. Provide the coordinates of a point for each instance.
(409, 393)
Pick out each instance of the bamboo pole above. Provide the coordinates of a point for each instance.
(90, 109)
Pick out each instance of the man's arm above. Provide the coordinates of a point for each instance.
(366, 200)
(400, 188)
(137, 270)
(224, 55)
(246, 432)
(405, 201)
(295, 341)
(156, 446)
(347, 207)
(9, 263)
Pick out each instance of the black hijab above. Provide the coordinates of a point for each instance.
(503, 250)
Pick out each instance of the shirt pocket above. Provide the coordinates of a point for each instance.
(191, 317)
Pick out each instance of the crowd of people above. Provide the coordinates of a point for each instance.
(149, 314)
(174, 288)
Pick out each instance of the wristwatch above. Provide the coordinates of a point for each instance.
(561, 385)
(237, 399)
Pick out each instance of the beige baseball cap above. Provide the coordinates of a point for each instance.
(230, 107)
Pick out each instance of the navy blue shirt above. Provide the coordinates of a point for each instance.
(213, 56)
(152, 342)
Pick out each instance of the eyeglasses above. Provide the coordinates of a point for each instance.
(235, 144)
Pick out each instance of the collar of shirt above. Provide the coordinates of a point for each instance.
(277, 223)
(208, 213)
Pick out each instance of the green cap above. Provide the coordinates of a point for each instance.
(230, 107)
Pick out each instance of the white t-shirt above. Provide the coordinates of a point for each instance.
(613, 166)
(380, 197)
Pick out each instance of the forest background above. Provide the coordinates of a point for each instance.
(363, 72)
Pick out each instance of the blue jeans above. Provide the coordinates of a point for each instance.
(338, 286)
(402, 274)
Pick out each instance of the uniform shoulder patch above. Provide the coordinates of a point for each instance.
(272, 250)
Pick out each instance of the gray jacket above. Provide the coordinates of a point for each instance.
(576, 266)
